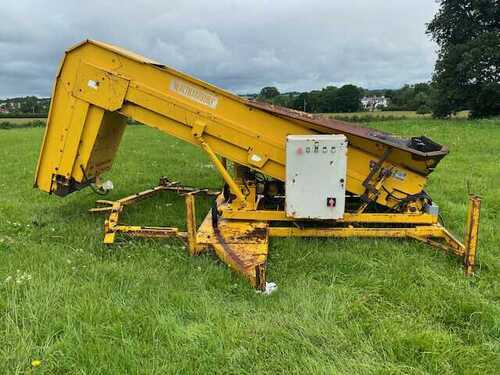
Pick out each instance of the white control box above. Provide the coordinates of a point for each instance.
(316, 176)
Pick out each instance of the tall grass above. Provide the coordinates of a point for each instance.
(354, 306)
(21, 124)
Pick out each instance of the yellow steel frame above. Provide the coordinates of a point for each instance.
(99, 86)
(112, 227)
(241, 237)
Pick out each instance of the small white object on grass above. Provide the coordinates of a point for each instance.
(270, 288)
(107, 185)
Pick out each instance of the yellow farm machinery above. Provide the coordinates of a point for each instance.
(286, 173)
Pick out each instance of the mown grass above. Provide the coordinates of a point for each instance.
(21, 120)
(5, 125)
(142, 306)
(375, 114)
(378, 116)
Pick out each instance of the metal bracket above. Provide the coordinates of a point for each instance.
(472, 234)
(372, 191)
(241, 237)
(197, 132)
(112, 226)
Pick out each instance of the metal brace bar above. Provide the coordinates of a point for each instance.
(371, 191)
(198, 133)
(471, 234)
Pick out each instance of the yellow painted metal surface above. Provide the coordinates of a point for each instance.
(219, 166)
(99, 85)
(242, 245)
(242, 241)
(472, 233)
(389, 218)
(417, 231)
(191, 224)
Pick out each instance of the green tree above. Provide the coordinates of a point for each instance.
(29, 104)
(269, 92)
(283, 100)
(301, 102)
(329, 94)
(347, 99)
(467, 72)
(314, 101)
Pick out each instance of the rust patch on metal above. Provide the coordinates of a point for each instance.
(328, 125)
(254, 235)
(175, 186)
(260, 276)
(227, 249)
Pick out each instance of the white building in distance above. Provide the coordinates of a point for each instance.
(371, 103)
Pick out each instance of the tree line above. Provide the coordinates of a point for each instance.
(467, 71)
(330, 99)
(466, 75)
(28, 105)
(417, 97)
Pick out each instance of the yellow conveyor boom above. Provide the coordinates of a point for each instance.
(99, 86)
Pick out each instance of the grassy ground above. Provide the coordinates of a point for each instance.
(351, 116)
(343, 306)
(386, 116)
(21, 120)
(409, 114)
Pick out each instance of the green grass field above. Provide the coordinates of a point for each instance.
(144, 307)
(352, 116)
(22, 120)
(386, 116)
(409, 114)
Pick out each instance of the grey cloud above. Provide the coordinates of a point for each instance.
(236, 44)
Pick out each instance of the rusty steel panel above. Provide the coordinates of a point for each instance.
(352, 130)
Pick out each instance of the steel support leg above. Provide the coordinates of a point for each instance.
(471, 234)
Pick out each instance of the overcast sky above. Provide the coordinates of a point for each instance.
(239, 45)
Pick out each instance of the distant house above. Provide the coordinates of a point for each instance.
(4, 108)
(371, 103)
(28, 104)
